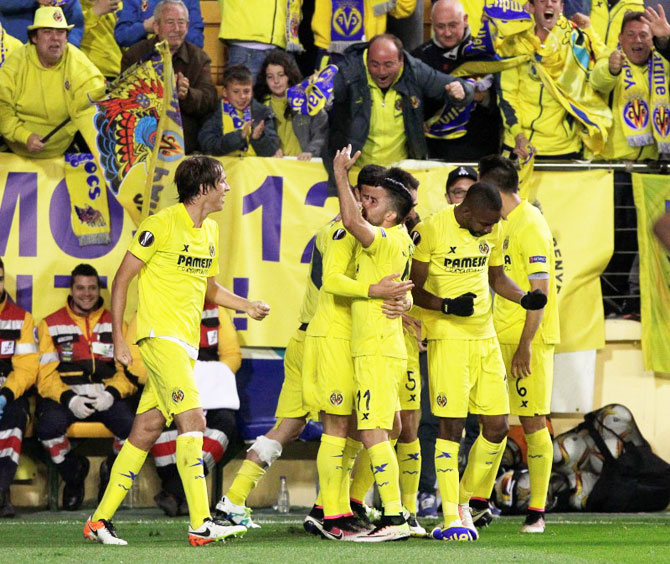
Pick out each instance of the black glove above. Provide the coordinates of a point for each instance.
(463, 306)
(534, 300)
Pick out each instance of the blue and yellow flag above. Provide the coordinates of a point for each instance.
(652, 200)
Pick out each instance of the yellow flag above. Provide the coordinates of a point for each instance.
(652, 200)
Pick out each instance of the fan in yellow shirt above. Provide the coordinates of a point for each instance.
(175, 254)
(527, 338)
(458, 254)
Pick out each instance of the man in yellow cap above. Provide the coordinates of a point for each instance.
(42, 84)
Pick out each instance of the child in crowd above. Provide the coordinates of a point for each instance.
(300, 135)
(241, 125)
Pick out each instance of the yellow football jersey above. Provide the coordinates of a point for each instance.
(458, 263)
(372, 333)
(172, 283)
(528, 248)
(333, 312)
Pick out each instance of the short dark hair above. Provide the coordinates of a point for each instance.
(499, 171)
(631, 17)
(370, 174)
(401, 199)
(237, 73)
(483, 195)
(281, 59)
(393, 39)
(83, 269)
(407, 179)
(194, 172)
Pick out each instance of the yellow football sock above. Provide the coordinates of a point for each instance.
(540, 458)
(191, 467)
(385, 471)
(330, 468)
(409, 464)
(446, 468)
(481, 461)
(485, 487)
(362, 478)
(245, 481)
(351, 450)
(125, 469)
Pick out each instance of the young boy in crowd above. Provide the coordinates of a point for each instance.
(240, 126)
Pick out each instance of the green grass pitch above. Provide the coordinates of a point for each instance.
(47, 538)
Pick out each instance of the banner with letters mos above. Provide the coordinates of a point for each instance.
(267, 227)
(652, 200)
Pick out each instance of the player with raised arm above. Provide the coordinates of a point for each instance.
(458, 255)
(175, 254)
(377, 343)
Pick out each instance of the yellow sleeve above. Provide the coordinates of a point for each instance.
(509, 99)
(148, 238)
(536, 248)
(229, 346)
(90, 85)
(335, 262)
(25, 361)
(49, 383)
(600, 77)
(11, 127)
(421, 235)
(496, 258)
(403, 8)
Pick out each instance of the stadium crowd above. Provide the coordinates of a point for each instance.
(444, 100)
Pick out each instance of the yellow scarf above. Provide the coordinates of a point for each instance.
(231, 120)
(563, 64)
(293, 18)
(645, 112)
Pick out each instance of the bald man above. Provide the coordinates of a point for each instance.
(380, 94)
(445, 53)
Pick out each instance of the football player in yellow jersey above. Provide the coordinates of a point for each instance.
(377, 343)
(175, 255)
(328, 374)
(458, 254)
(527, 337)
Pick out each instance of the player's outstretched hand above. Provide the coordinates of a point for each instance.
(390, 288)
(258, 310)
(395, 308)
(534, 300)
(122, 352)
(462, 306)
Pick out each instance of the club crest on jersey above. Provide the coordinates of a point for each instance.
(336, 398)
(212, 250)
(416, 237)
(441, 399)
(146, 238)
(177, 395)
(339, 234)
(505, 244)
(484, 248)
(398, 105)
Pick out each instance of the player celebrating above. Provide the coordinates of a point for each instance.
(175, 253)
(458, 253)
(527, 338)
(377, 343)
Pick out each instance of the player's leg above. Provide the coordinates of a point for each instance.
(147, 426)
(530, 399)
(291, 419)
(377, 381)
(12, 429)
(449, 386)
(488, 397)
(164, 455)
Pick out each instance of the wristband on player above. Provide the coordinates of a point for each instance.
(533, 300)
